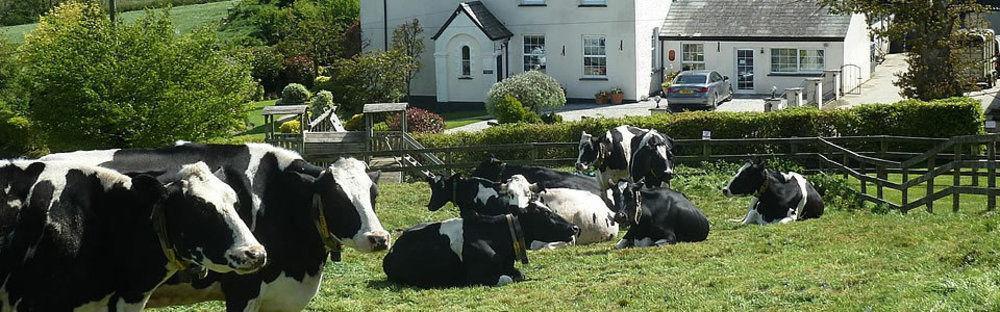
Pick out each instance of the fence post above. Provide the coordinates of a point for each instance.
(991, 175)
(957, 179)
(905, 188)
(930, 184)
(864, 181)
(847, 166)
(706, 151)
(974, 154)
(880, 169)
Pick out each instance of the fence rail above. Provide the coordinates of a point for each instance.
(867, 159)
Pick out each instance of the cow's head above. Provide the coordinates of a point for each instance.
(201, 222)
(490, 168)
(627, 201)
(442, 190)
(542, 226)
(518, 191)
(654, 158)
(748, 180)
(590, 151)
(346, 194)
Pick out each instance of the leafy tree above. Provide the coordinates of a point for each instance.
(375, 77)
(933, 30)
(316, 29)
(89, 84)
(408, 39)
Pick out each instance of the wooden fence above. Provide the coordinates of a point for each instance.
(869, 159)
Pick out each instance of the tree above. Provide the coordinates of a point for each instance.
(317, 29)
(933, 30)
(375, 77)
(408, 39)
(90, 85)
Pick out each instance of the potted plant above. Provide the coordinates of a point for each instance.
(601, 97)
(617, 96)
(668, 80)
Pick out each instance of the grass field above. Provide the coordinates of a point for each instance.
(849, 260)
(186, 18)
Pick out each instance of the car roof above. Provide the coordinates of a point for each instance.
(696, 72)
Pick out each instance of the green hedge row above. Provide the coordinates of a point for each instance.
(941, 118)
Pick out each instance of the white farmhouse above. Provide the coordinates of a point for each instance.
(765, 44)
(594, 45)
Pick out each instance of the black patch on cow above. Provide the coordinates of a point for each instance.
(494, 169)
(663, 214)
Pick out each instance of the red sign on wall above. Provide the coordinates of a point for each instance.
(671, 55)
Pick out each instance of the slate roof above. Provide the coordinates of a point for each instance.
(753, 20)
(482, 17)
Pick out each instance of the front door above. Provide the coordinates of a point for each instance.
(499, 68)
(744, 70)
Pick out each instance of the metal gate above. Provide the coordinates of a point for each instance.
(850, 79)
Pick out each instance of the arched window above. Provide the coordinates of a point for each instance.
(466, 61)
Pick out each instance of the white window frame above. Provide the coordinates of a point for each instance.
(595, 56)
(540, 55)
(594, 2)
(466, 63)
(798, 61)
(698, 65)
(532, 2)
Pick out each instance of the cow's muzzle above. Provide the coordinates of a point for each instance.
(247, 259)
(378, 240)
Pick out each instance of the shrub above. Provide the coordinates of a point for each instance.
(299, 69)
(418, 121)
(552, 118)
(376, 77)
(355, 123)
(266, 66)
(942, 118)
(321, 102)
(535, 90)
(294, 94)
(88, 84)
(509, 111)
(293, 126)
(17, 138)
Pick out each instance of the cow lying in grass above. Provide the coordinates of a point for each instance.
(494, 169)
(582, 208)
(477, 249)
(90, 239)
(777, 197)
(656, 216)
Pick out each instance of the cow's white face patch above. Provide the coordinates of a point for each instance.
(198, 181)
(452, 228)
(518, 191)
(351, 175)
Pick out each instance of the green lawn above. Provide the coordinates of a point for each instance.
(849, 260)
(186, 18)
(458, 119)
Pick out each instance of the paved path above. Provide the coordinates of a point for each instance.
(881, 88)
(573, 112)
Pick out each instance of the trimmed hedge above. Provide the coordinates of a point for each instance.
(941, 118)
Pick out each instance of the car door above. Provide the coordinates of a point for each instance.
(719, 85)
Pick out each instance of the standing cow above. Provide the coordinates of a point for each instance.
(90, 239)
(777, 197)
(300, 212)
(657, 216)
(627, 152)
(477, 249)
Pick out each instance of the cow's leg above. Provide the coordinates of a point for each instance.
(669, 239)
(481, 267)
(627, 241)
(644, 242)
(242, 293)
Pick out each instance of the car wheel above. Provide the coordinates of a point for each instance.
(715, 100)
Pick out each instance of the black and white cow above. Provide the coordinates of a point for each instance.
(777, 197)
(300, 212)
(657, 216)
(85, 238)
(583, 209)
(627, 152)
(477, 249)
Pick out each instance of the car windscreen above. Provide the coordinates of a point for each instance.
(691, 79)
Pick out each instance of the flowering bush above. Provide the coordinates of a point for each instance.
(299, 69)
(535, 90)
(418, 120)
(321, 102)
(293, 126)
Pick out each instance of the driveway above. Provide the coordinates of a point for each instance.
(881, 88)
(576, 111)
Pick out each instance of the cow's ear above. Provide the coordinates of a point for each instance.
(374, 175)
(149, 191)
(534, 187)
(500, 186)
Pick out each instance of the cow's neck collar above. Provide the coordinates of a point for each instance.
(159, 219)
(332, 242)
(517, 238)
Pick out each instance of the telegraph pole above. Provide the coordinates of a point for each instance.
(385, 23)
(112, 8)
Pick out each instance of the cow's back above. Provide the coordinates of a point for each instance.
(548, 178)
(672, 209)
(585, 210)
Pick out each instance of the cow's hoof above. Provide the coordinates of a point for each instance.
(504, 280)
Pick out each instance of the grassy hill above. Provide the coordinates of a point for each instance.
(849, 260)
(185, 18)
